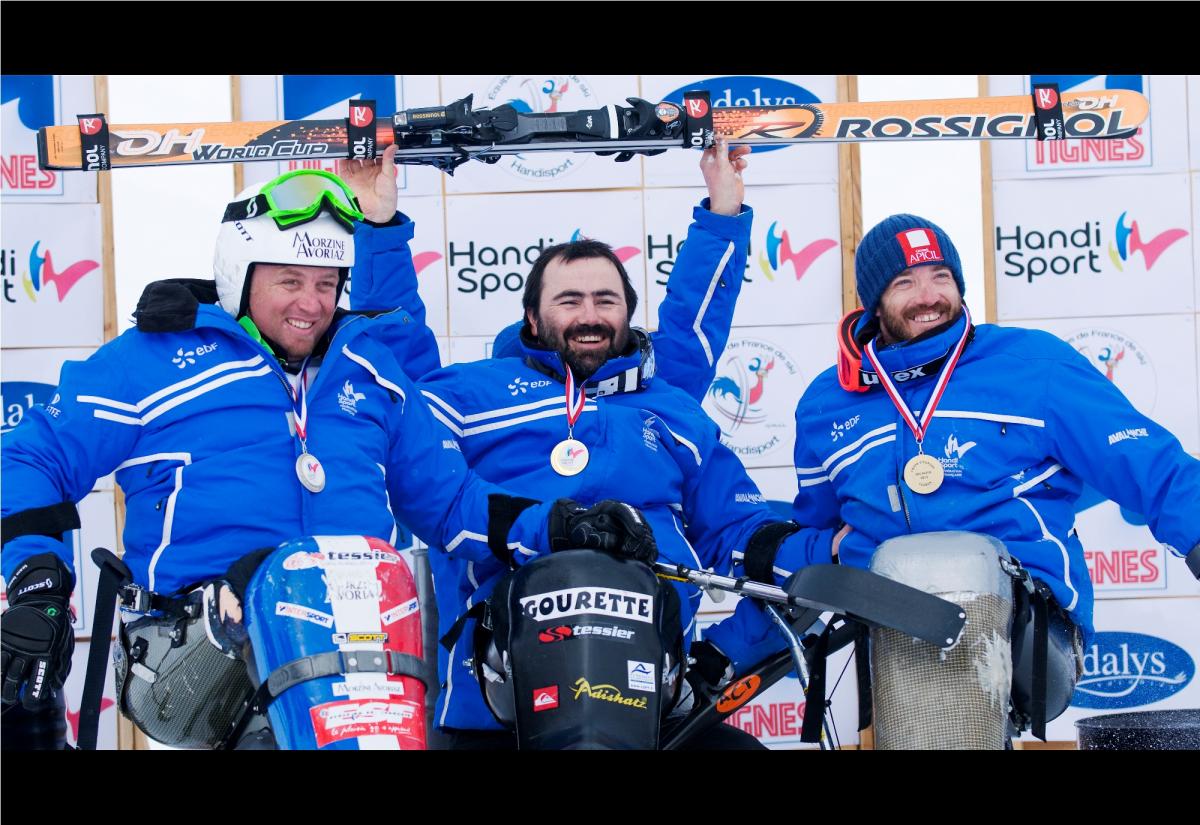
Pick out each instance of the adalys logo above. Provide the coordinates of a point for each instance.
(748, 90)
(1125, 670)
(1129, 240)
(42, 272)
(778, 251)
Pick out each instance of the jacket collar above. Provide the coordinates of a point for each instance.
(630, 372)
(906, 355)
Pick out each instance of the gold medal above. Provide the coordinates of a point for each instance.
(569, 457)
(310, 472)
(923, 474)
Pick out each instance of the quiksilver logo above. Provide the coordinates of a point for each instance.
(574, 601)
(1124, 670)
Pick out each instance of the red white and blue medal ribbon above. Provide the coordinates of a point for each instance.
(308, 468)
(922, 473)
(570, 456)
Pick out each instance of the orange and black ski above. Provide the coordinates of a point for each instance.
(446, 136)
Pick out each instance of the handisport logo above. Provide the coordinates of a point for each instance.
(1128, 240)
(778, 251)
(540, 94)
(748, 90)
(42, 272)
(1125, 670)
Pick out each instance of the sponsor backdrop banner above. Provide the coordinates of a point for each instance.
(1094, 241)
(1142, 657)
(543, 94)
(1193, 97)
(1160, 144)
(29, 103)
(53, 284)
(787, 164)
(794, 266)
(1093, 246)
(327, 97)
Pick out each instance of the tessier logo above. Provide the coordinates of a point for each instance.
(555, 634)
(739, 693)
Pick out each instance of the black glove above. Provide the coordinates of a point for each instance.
(710, 671)
(612, 527)
(36, 637)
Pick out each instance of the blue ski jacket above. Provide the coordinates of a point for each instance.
(197, 422)
(1023, 423)
(650, 445)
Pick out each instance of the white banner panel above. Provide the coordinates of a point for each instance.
(1160, 145)
(493, 241)
(1195, 181)
(1093, 246)
(760, 377)
(429, 258)
(31, 102)
(327, 97)
(785, 164)
(1123, 558)
(53, 286)
(794, 267)
(29, 377)
(543, 94)
(1143, 657)
(98, 520)
(464, 350)
(1151, 359)
(1193, 97)
(776, 716)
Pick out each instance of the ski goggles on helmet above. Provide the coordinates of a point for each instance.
(298, 197)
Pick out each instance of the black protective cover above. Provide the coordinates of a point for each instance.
(586, 638)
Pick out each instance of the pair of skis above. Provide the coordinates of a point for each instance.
(447, 136)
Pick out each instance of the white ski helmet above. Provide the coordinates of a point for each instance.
(251, 234)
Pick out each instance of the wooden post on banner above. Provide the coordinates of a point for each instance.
(849, 198)
(235, 91)
(985, 191)
(128, 737)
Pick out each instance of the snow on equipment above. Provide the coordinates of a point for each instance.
(929, 698)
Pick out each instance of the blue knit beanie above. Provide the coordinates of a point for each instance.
(895, 244)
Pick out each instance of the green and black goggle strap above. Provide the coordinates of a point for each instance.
(297, 197)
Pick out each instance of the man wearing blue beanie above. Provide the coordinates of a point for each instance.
(929, 423)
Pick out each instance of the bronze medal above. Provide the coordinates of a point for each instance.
(923, 474)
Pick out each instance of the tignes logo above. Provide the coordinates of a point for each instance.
(738, 397)
(1126, 670)
(778, 251)
(1052, 155)
(1129, 240)
(1122, 361)
(486, 269)
(747, 90)
(28, 102)
(540, 94)
(18, 397)
(42, 272)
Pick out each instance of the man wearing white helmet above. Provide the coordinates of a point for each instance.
(237, 414)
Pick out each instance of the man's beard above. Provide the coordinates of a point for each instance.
(584, 364)
(897, 328)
